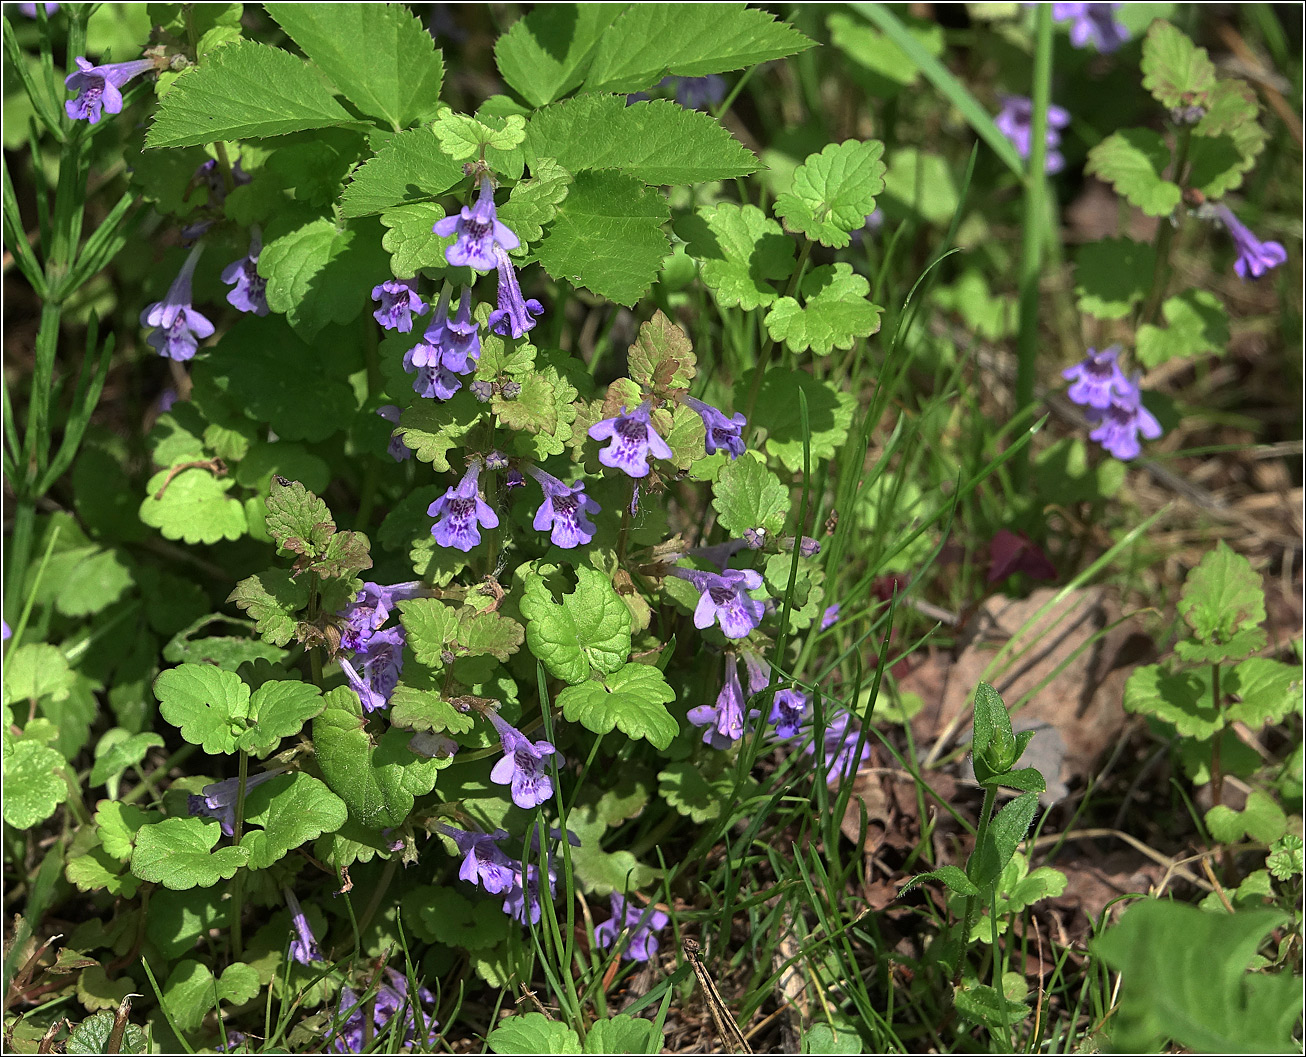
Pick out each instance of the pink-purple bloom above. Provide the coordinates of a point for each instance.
(303, 944)
(1255, 257)
(99, 88)
(461, 512)
(840, 741)
(249, 289)
(392, 1000)
(178, 327)
(219, 799)
(726, 434)
(522, 765)
(484, 862)
(725, 600)
(399, 302)
(788, 709)
(1092, 24)
(1119, 425)
(1097, 379)
(371, 608)
(1016, 121)
(633, 440)
(375, 669)
(398, 450)
(642, 923)
(515, 315)
(723, 722)
(564, 514)
(522, 903)
(479, 231)
(830, 617)
(449, 347)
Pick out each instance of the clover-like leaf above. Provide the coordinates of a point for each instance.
(113, 756)
(749, 496)
(1261, 819)
(589, 629)
(633, 699)
(33, 788)
(191, 990)
(178, 854)
(1132, 161)
(741, 253)
(835, 312)
(833, 192)
(207, 703)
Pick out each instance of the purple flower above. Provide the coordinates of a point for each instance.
(166, 399)
(758, 672)
(1254, 256)
(1016, 121)
(479, 230)
(633, 438)
(399, 451)
(219, 799)
(1092, 24)
(6, 632)
(1097, 379)
(496, 460)
(514, 315)
(725, 601)
(484, 862)
(392, 1000)
(399, 303)
(249, 293)
(179, 326)
(830, 617)
(1120, 424)
(720, 432)
(303, 944)
(522, 765)
(382, 662)
(522, 903)
(643, 924)
(209, 174)
(449, 347)
(564, 511)
(369, 611)
(724, 721)
(460, 510)
(699, 92)
(99, 88)
(787, 711)
(840, 741)
(482, 390)
(30, 9)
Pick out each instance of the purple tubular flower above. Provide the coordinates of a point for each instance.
(522, 902)
(382, 661)
(830, 617)
(841, 756)
(399, 303)
(219, 799)
(369, 611)
(633, 439)
(448, 348)
(1097, 379)
(99, 88)
(460, 511)
(303, 944)
(643, 924)
(484, 862)
(759, 672)
(30, 9)
(564, 511)
(249, 292)
(725, 601)
(1016, 121)
(392, 1000)
(724, 721)
(515, 315)
(1092, 24)
(399, 451)
(1255, 257)
(479, 230)
(179, 326)
(521, 766)
(721, 433)
(695, 93)
(787, 711)
(1120, 424)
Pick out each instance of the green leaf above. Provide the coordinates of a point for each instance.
(191, 990)
(821, 1038)
(1222, 596)
(650, 41)
(489, 633)
(442, 915)
(277, 710)
(1113, 275)
(36, 670)
(534, 202)
(836, 312)
(96, 582)
(97, 869)
(1184, 979)
(952, 876)
(1265, 691)
(194, 507)
(600, 871)
(379, 55)
(33, 790)
(621, 1033)
(589, 629)
(1197, 325)
(1181, 699)
(272, 598)
(545, 55)
(533, 410)
(748, 496)
(178, 854)
(919, 185)
(462, 137)
(1286, 859)
(833, 192)
(741, 252)
(699, 792)
(411, 241)
(1227, 140)
(1261, 819)
(888, 69)
(1132, 161)
(984, 1005)
(828, 414)
(532, 1033)
(657, 141)
(207, 703)
(292, 809)
(1175, 70)
(243, 91)
(117, 824)
(633, 700)
(1006, 831)
(431, 628)
(995, 742)
(121, 754)
(410, 168)
(92, 1034)
(431, 428)
(662, 356)
(426, 710)
(321, 273)
(377, 781)
(298, 520)
(552, 439)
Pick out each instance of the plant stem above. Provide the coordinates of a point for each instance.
(765, 355)
(238, 884)
(1217, 776)
(981, 835)
(1164, 239)
(387, 875)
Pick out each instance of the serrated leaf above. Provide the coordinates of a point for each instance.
(544, 55)
(97, 870)
(1222, 596)
(292, 809)
(36, 670)
(952, 876)
(741, 252)
(243, 91)
(116, 824)
(33, 789)
(417, 709)
(347, 554)
(650, 41)
(833, 192)
(431, 428)
(749, 496)
(533, 410)
(191, 990)
(588, 630)
(534, 202)
(1132, 161)
(297, 519)
(463, 137)
(489, 633)
(272, 599)
(633, 699)
(607, 236)
(1264, 691)
(699, 792)
(621, 1033)
(1113, 275)
(1197, 325)
(410, 168)
(1182, 699)
(178, 854)
(121, 754)
(379, 55)
(430, 627)
(835, 313)
(207, 703)
(532, 1033)
(277, 710)
(411, 241)
(1227, 140)
(541, 445)
(92, 1035)
(1175, 70)
(662, 355)
(194, 507)
(829, 414)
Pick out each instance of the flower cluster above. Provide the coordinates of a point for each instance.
(640, 924)
(392, 1001)
(1114, 403)
(1094, 24)
(378, 651)
(1016, 121)
(486, 865)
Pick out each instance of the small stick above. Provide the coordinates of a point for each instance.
(731, 1036)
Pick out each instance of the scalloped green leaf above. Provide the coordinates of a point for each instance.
(207, 703)
(1175, 70)
(740, 251)
(833, 192)
(1132, 161)
(633, 699)
(588, 630)
(1113, 275)
(193, 507)
(178, 854)
(836, 311)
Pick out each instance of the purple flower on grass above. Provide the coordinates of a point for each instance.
(726, 434)
(30, 9)
(830, 617)
(1016, 121)
(460, 511)
(515, 315)
(633, 440)
(303, 944)
(1097, 379)
(1119, 425)
(382, 662)
(522, 765)
(99, 88)
(392, 1000)
(643, 923)
(840, 742)
(696, 93)
(1092, 24)
(788, 709)
(484, 862)
(1254, 256)
(219, 799)
(522, 902)
(179, 327)
(479, 230)
(564, 511)
(249, 289)
(370, 609)
(399, 303)
(725, 600)
(449, 347)
(398, 450)
(724, 721)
